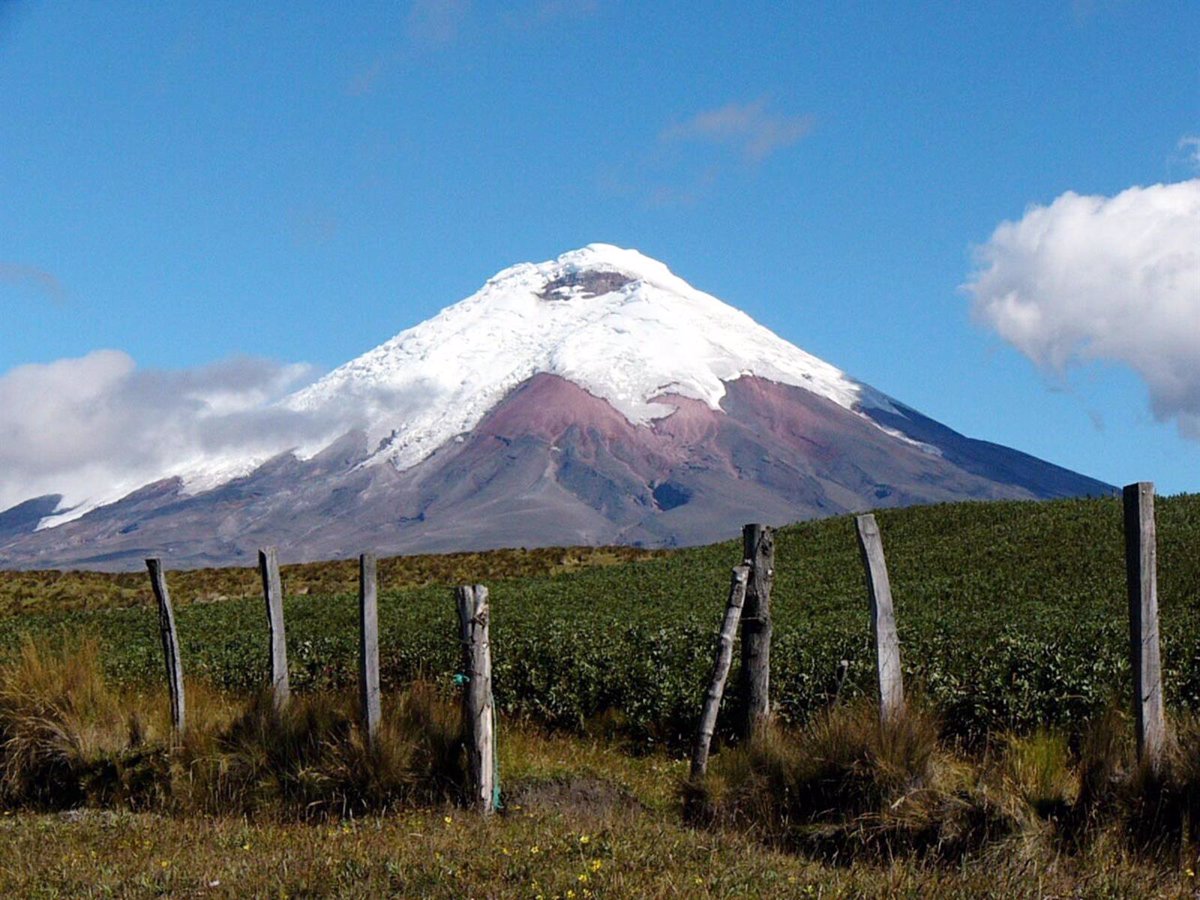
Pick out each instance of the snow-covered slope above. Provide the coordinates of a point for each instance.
(615, 322)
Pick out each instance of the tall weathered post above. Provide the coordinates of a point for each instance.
(758, 551)
(478, 708)
(170, 644)
(721, 664)
(883, 620)
(368, 647)
(1142, 582)
(268, 566)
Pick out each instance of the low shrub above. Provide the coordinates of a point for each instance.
(67, 740)
(846, 785)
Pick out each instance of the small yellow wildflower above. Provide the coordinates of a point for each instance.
(699, 880)
(165, 863)
(448, 820)
(583, 839)
(535, 850)
(246, 846)
(596, 864)
(583, 877)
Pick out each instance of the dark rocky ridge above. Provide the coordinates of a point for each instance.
(593, 283)
(24, 517)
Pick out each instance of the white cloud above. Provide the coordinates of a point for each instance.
(97, 427)
(748, 127)
(1113, 279)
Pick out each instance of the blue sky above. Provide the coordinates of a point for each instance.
(193, 184)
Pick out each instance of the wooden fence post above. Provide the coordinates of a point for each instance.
(721, 664)
(170, 644)
(883, 621)
(368, 655)
(1142, 583)
(758, 551)
(478, 707)
(268, 566)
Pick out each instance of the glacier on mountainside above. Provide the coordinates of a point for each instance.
(653, 335)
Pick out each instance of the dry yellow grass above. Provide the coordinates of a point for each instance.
(58, 590)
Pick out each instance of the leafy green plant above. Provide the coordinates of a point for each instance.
(1012, 615)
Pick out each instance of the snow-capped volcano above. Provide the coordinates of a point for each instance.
(593, 398)
(612, 321)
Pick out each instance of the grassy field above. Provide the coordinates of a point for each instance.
(586, 820)
(1011, 616)
(1016, 779)
(58, 591)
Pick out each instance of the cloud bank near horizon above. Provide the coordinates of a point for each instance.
(99, 426)
(1103, 279)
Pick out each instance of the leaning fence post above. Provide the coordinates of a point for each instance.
(883, 620)
(758, 551)
(1142, 584)
(478, 707)
(724, 658)
(268, 566)
(368, 657)
(170, 644)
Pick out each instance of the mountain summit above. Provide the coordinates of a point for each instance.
(594, 398)
(614, 322)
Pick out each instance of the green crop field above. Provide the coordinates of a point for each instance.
(1011, 616)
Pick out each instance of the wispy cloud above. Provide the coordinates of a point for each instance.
(693, 157)
(437, 22)
(364, 81)
(311, 226)
(99, 425)
(31, 278)
(1189, 146)
(1114, 279)
(750, 128)
(1084, 11)
(654, 188)
(546, 12)
(684, 194)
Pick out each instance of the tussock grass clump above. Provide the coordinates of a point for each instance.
(1158, 812)
(67, 740)
(847, 786)
(311, 759)
(1039, 769)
